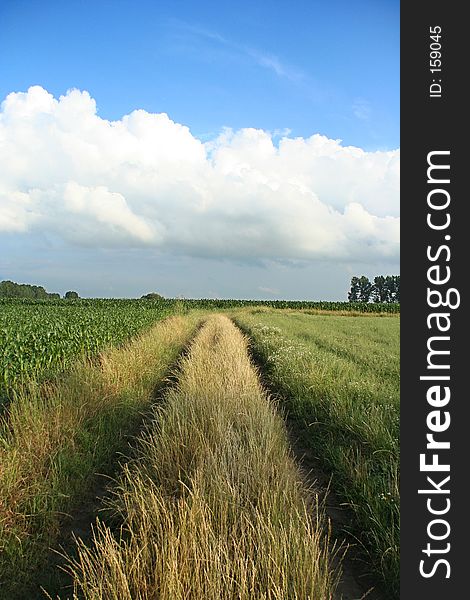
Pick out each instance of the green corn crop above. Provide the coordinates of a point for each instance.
(40, 338)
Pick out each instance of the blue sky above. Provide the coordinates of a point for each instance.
(321, 67)
(290, 70)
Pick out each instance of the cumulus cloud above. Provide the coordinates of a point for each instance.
(145, 180)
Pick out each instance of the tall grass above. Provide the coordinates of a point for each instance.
(213, 507)
(339, 378)
(56, 435)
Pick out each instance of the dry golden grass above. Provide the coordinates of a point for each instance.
(214, 507)
(55, 436)
(340, 381)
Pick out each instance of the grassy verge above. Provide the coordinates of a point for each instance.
(339, 377)
(213, 506)
(56, 436)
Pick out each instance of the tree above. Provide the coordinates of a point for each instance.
(397, 288)
(71, 295)
(152, 296)
(354, 292)
(361, 289)
(380, 292)
(392, 283)
(365, 289)
(10, 289)
(384, 289)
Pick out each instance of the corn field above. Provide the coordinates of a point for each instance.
(40, 338)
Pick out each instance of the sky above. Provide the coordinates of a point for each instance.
(199, 149)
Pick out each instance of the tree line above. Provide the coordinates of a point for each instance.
(384, 288)
(10, 289)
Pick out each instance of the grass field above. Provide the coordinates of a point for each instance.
(214, 506)
(55, 436)
(339, 380)
(40, 338)
(211, 502)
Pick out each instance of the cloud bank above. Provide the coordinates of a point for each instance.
(146, 181)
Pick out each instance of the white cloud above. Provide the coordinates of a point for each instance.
(147, 181)
(195, 35)
(273, 63)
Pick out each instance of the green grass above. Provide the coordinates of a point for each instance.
(339, 376)
(54, 437)
(214, 507)
(40, 338)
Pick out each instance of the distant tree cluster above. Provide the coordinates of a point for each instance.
(10, 289)
(384, 288)
(152, 296)
(71, 295)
